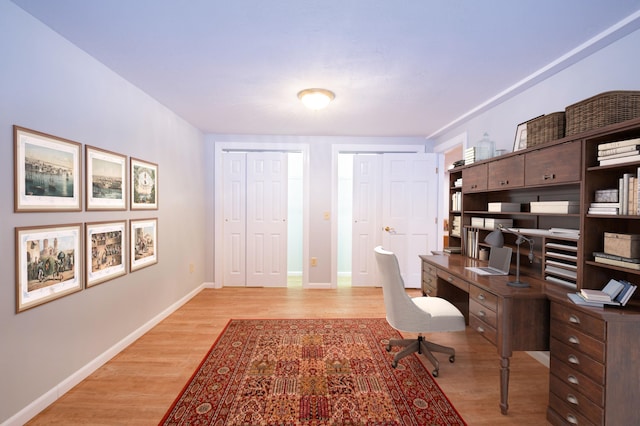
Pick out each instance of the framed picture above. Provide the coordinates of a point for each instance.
(143, 242)
(48, 265)
(106, 182)
(520, 141)
(46, 172)
(105, 251)
(144, 185)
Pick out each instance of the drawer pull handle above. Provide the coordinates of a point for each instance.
(482, 314)
(572, 379)
(574, 319)
(504, 182)
(573, 359)
(480, 329)
(450, 279)
(481, 296)
(572, 419)
(574, 340)
(572, 399)
(547, 177)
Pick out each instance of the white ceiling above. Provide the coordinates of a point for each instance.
(398, 67)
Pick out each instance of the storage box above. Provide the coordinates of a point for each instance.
(625, 245)
(561, 207)
(545, 129)
(504, 207)
(477, 222)
(490, 223)
(606, 196)
(602, 110)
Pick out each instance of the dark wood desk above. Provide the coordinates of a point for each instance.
(512, 319)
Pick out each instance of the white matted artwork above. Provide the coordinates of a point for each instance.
(144, 185)
(143, 236)
(105, 251)
(106, 182)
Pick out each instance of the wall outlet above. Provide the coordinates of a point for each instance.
(192, 267)
(314, 261)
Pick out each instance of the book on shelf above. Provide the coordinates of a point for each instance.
(614, 262)
(619, 150)
(618, 155)
(607, 294)
(620, 160)
(626, 292)
(579, 300)
(618, 144)
(616, 257)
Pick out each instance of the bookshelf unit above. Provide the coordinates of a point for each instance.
(594, 351)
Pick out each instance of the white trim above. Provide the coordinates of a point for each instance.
(219, 148)
(49, 397)
(606, 37)
(336, 149)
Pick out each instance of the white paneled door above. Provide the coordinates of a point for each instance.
(409, 210)
(255, 219)
(395, 204)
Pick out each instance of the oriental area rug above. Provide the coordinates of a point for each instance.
(310, 372)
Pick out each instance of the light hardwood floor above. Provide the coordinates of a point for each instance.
(138, 385)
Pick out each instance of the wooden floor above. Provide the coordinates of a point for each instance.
(138, 385)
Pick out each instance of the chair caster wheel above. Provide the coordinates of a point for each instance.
(434, 373)
(452, 359)
(394, 364)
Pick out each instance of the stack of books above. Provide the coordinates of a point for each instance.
(615, 260)
(456, 226)
(616, 293)
(604, 208)
(457, 183)
(470, 155)
(618, 152)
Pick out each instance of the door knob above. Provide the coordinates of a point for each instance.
(389, 230)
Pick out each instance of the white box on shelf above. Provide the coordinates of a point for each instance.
(504, 207)
(491, 223)
(477, 222)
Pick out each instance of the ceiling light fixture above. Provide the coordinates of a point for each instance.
(316, 99)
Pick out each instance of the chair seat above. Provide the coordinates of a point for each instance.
(444, 316)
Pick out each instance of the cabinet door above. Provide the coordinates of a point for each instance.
(557, 164)
(506, 173)
(474, 178)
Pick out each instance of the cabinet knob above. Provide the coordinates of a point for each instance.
(574, 319)
(573, 359)
(572, 399)
(574, 340)
(481, 296)
(548, 177)
(572, 379)
(482, 314)
(480, 329)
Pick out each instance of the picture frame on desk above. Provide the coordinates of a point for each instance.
(520, 141)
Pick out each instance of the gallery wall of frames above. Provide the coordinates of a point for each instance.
(53, 261)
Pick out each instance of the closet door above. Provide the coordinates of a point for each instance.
(266, 243)
(235, 218)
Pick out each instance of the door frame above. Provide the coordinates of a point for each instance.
(219, 148)
(338, 149)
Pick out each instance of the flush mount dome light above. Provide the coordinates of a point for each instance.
(316, 99)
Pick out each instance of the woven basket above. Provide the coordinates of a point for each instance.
(545, 129)
(602, 110)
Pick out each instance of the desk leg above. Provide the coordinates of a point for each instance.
(504, 384)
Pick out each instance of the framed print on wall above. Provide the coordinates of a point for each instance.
(46, 172)
(520, 141)
(105, 251)
(106, 179)
(48, 263)
(143, 243)
(144, 185)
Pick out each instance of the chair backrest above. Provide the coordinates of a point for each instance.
(402, 313)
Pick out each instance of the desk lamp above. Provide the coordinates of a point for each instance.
(521, 239)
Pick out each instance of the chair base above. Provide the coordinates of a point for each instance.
(421, 346)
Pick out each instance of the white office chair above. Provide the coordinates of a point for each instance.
(415, 315)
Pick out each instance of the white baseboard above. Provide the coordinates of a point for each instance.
(49, 397)
(542, 357)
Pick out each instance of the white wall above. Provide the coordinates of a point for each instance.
(49, 85)
(615, 67)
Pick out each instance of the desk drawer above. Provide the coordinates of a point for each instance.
(577, 400)
(461, 284)
(486, 315)
(483, 328)
(577, 381)
(587, 324)
(569, 414)
(582, 342)
(484, 298)
(429, 279)
(578, 361)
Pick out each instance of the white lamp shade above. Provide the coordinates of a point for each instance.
(316, 99)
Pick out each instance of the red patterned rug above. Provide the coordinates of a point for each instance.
(309, 372)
